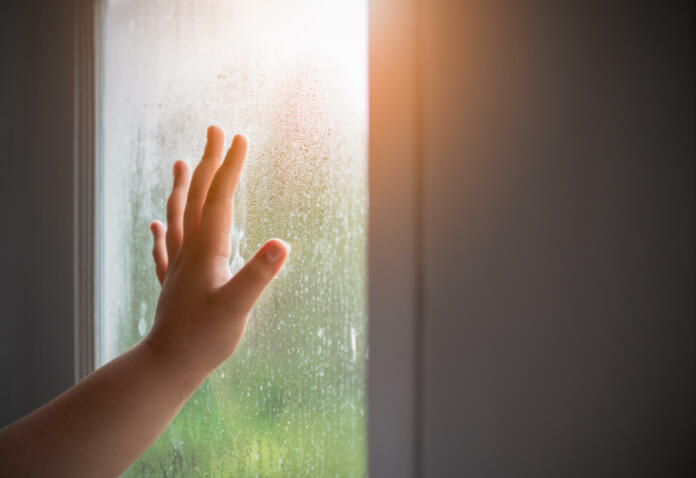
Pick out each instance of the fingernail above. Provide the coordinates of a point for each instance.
(273, 252)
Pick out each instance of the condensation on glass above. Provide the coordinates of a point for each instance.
(291, 76)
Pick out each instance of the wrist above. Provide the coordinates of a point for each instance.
(175, 368)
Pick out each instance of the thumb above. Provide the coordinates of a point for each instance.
(243, 290)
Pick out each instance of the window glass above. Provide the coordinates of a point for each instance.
(291, 76)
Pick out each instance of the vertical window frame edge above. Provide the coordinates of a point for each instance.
(395, 242)
(85, 186)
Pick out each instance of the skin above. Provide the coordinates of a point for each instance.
(105, 422)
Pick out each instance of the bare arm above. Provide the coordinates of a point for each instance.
(102, 424)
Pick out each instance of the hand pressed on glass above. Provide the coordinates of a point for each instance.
(202, 310)
(102, 424)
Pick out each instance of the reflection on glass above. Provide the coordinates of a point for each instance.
(291, 76)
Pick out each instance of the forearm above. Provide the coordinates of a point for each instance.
(100, 426)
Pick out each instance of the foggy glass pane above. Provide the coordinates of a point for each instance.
(291, 76)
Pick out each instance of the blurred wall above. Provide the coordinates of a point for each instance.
(559, 184)
(36, 204)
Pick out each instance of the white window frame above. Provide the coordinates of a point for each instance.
(395, 324)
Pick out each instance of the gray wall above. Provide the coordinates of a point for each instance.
(559, 207)
(36, 204)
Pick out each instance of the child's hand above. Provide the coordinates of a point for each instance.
(102, 424)
(202, 310)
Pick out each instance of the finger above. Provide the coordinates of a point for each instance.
(159, 251)
(216, 220)
(243, 290)
(175, 208)
(200, 181)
